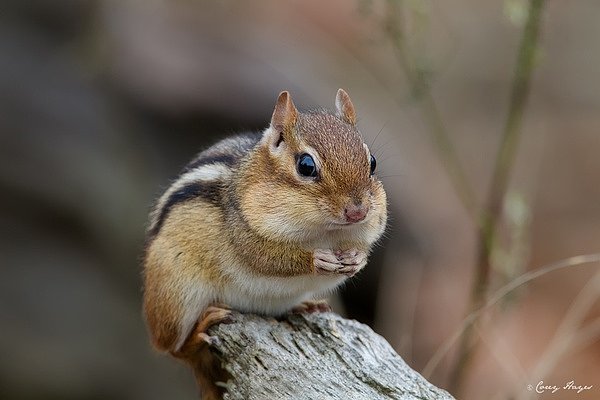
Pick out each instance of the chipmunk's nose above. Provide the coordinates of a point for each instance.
(355, 212)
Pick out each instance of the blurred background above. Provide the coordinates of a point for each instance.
(102, 102)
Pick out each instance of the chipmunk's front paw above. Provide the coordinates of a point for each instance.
(352, 261)
(347, 262)
(326, 262)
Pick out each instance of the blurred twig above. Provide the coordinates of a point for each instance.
(488, 219)
(419, 86)
(499, 295)
(501, 350)
(501, 173)
(568, 334)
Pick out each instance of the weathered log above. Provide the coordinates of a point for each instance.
(312, 356)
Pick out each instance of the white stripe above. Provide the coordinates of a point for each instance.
(206, 172)
(203, 173)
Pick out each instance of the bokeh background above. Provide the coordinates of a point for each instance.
(102, 102)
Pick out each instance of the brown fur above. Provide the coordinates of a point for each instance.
(265, 223)
(172, 262)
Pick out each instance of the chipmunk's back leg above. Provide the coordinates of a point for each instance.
(174, 297)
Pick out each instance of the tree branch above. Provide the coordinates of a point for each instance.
(492, 213)
(311, 356)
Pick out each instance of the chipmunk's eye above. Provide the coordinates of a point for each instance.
(306, 166)
(373, 164)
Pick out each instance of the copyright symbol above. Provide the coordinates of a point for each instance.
(529, 387)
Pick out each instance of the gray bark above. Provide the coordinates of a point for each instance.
(312, 356)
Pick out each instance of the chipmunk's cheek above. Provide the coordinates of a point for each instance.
(379, 209)
(329, 212)
(291, 216)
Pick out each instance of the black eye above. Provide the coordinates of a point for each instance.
(373, 164)
(306, 166)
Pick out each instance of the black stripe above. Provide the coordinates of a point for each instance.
(230, 154)
(226, 159)
(209, 191)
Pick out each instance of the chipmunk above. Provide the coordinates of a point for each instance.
(262, 223)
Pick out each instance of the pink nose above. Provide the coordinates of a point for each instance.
(355, 213)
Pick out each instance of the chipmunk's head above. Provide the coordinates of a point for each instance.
(312, 173)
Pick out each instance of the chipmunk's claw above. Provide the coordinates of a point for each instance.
(311, 306)
(199, 338)
(213, 315)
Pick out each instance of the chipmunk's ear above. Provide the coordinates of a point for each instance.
(345, 108)
(283, 120)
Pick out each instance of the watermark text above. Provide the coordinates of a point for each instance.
(543, 387)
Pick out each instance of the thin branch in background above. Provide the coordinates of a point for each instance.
(501, 173)
(501, 351)
(567, 334)
(587, 335)
(488, 220)
(395, 29)
(500, 294)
